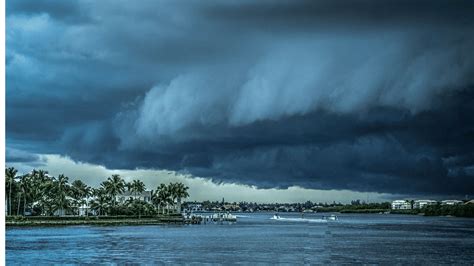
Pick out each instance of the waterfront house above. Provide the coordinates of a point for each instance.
(451, 202)
(84, 208)
(401, 205)
(62, 211)
(194, 207)
(419, 204)
(145, 196)
(231, 207)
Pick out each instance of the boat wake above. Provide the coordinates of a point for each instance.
(277, 218)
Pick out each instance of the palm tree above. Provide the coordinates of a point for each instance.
(138, 187)
(61, 193)
(80, 191)
(162, 197)
(177, 192)
(156, 196)
(24, 185)
(172, 190)
(10, 174)
(38, 180)
(181, 192)
(19, 194)
(48, 188)
(100, 203)
(114, 185)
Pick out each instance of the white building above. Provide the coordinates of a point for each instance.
(451, 202)
(401, 205)
(145, 196)
(419, 204)
(85, 208)
(195, 207)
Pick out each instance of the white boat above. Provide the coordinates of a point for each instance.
(332, 217)
(289, 219)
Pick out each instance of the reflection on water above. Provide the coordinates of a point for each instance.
(254, 238)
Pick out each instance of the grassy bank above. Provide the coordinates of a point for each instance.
(96, 220)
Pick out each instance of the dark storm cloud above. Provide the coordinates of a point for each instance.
(360, 95)
(340, 12)
(69, 11)
(14, 155)
(25, 158)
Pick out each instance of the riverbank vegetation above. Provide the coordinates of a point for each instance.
(39, 194)
(461, 210)
(357, 207)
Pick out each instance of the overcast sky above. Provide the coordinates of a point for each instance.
(325, 99)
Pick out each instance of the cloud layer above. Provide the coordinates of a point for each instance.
(357, 95)
(200, 189)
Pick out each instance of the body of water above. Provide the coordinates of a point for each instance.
(255, 238)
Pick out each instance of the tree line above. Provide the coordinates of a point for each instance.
(38, 193)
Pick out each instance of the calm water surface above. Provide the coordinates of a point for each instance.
(255, 238)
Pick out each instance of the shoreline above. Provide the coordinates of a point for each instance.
(178, 219)
(105, 221)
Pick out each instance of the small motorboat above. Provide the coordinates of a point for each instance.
(331, 217)
(276, 217)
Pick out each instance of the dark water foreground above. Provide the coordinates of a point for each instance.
(369, 238)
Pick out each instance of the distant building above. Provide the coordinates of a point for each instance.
(401, 205)
(231, 207)
(145, 196)
(85, 208)
(419, 204)
(451, 202)
(193, 207)
(62, 211)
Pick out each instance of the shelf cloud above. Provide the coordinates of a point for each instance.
(354, 95)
